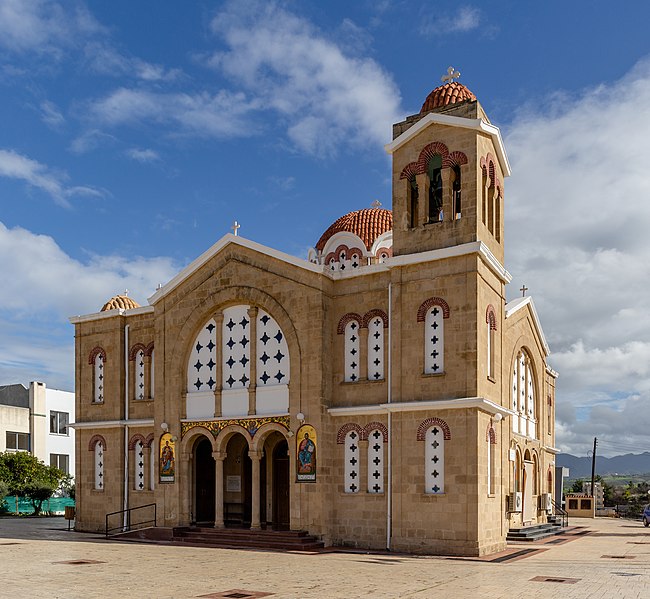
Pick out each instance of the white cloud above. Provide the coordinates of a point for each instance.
(466, 19)
(144, 156)
(89, 140)
(17, 166)
(51, 115)
(577, 218)
(37, 340)
(326, 97)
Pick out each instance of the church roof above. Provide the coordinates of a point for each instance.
(122, 302)
(368, 224)
(449, 93)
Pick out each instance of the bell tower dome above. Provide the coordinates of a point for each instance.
(449, 163)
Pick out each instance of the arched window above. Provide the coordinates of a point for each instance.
(413, 201)
(138, 382)
(434, 172)
(138, 479)
(434, 341)
(455, 192)
(98, 362)
(434, 461)
(491, 439)
(151, 374)
(351, 462)
(491, 323)
(497, 215)
(375, 461)
(523, 396)
(352, 355)
(485, 182)
(376, 349)
(99, 465)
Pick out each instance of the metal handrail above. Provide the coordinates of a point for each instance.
(127, 527)
(560, 511)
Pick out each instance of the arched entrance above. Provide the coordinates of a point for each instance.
(237, 483)
(204, 482)
(280, 491)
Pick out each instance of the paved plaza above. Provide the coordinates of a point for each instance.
(602, 558)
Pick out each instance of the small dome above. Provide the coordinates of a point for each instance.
(122, 302)
(449, 93)
(368, 224)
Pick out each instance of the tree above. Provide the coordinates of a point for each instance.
(26, 476)
(577, 486)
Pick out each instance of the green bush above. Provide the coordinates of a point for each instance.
(4, 491)
(38, 492)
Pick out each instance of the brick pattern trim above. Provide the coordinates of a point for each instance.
(410, 170)
(370, 314)
(429, 151)
(148, 350)
(94, 440)
(96, 351)
(428, 423)
(345, 429)
(149, 440)
(384, 250)
(430, 303)
(135, 438)
(349, 317)
(491, 317)
(456, 158)
(375, 425)
(488, 168)
(135, 349)
(491, 435)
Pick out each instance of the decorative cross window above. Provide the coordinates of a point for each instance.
(375, 462)
(139, 375)
(352, 462)
(139, 483)
(523, 396)
(99, 379)
(99, 466)
(434, 341)
(434, 461)
(352, 354)
(376, 349)
(201, 371)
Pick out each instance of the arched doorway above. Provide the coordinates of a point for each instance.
(280, 492)
(237, 483)
(204, 482)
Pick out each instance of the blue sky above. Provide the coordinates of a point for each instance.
(132, 135)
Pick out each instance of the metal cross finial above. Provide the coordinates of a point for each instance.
(235, 227)
(450, 76)
(126, 292)
(376, 204)
(523, 290)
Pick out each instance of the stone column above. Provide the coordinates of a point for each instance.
(423, 199)
(218, 369)
(185, 480)
(447, 207)
(255, 495)
(363, 353)
(219, 457)
(252, 384)
(147, 377)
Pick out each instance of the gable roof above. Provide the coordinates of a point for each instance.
(519, 303)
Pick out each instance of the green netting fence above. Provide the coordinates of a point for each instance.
(54, 505)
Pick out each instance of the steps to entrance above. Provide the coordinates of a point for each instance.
(240, 538)
(534, 533)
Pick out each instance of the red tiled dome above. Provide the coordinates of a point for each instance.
(449, 93)
(120, 302)
(368, 224)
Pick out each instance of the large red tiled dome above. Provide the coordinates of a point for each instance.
(368, 224)
(449, 93)
(122, 302)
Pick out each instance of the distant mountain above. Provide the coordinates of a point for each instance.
(629, 463)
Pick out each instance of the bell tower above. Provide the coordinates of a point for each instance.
(449, 163)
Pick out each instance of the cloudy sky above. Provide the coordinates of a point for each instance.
(132, 135)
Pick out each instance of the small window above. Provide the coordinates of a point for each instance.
(60, 461)
(585, 504)
(573, 504)
(59, 423)
(17, 441)
(435, 189)
(455, 192)
(413, 198)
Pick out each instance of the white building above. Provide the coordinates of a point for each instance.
(36, 419)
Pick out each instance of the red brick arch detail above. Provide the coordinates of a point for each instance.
(94, 440)
(135, 438)
(375, 425)
(491, 435)
(345, 429)
(96, 351)
(329, 257)
(429, 151)
(135, 349)
(352, 251)
(430, 303)
(370, 314)
(491, 317)
(456, 158)
(487, 166)
(349, 317)
(148, 350)
(384, 250)
(410, 170)
(428, 423)
(149, 440)
(342, 248)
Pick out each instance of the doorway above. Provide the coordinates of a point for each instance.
(204, 483)
(237, 483)
(281, 485)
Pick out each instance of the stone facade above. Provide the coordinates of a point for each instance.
(415, 456)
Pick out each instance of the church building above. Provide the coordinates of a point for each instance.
(380, 394)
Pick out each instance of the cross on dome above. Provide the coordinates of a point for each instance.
(376, 204)
(235, 227)
(523, 290)
(450, 76)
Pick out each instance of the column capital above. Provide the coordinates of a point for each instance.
(218, 316)
(219, 455)
(252, 311)
(256, 456)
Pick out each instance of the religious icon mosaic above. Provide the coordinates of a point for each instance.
(306, 454)
(252, 425)
(167, 460)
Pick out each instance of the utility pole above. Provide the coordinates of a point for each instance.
(593, 466)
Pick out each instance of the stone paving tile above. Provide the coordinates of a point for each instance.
(31, 567)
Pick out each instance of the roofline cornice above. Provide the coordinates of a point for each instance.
(455, 121)
(515, 305)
